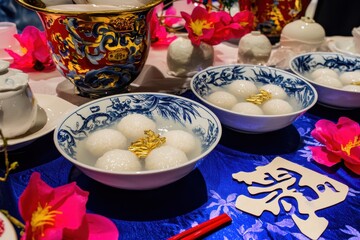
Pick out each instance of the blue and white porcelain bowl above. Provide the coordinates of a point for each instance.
(305, 64)
(171, 110)
(205, 81)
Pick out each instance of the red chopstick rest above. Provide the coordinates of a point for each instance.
(203, 228)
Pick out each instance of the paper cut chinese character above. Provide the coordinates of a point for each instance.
(282, 180)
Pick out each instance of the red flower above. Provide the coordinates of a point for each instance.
(216, 27)
(60, 213)
(158, 31)
(2, 227)
(36, 51)
(200, 25)
(243, 22)
(340, 141)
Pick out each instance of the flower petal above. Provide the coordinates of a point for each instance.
(37, 53)
(71, 201)
(353, 167)
(36, 192)
(323, 156)
(94, 227)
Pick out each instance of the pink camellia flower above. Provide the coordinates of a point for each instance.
(244, 23)
(200, 25)
(36, 51)
(340, 141)
(158, 31)
(60, 213)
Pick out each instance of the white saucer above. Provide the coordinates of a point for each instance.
(50, 110)
(7, 230)
(343, 45)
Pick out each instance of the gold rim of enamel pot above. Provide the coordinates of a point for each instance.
(147, 6)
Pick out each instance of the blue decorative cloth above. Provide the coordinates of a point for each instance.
(206, 192)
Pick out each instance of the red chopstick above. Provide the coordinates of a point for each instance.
(203, 228)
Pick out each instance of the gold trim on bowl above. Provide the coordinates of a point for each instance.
(30, 4)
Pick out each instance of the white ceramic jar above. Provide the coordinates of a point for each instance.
(254, 48)
(184, 59)
(18, 106)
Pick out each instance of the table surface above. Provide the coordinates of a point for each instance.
(209, 190)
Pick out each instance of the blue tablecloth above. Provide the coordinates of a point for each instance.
(206, 192)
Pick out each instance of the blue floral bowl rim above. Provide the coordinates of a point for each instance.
(321, 54)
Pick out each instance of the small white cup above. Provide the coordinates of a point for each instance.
(8, 41)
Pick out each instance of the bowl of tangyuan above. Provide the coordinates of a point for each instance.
(253, 98)
(336, 77)
(138, 140)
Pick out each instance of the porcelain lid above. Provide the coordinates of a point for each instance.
(304, 30)
(11, 79)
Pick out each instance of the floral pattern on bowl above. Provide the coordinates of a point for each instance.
(220, 76)
(303, 65)
(159, 107)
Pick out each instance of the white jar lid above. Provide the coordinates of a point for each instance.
(304, 30)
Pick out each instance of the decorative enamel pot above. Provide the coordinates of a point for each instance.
(100, 46)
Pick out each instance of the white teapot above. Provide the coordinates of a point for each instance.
(18, 106)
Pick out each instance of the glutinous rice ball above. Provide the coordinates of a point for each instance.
(134, 125)
(247, 108)
(165, 157)
(104, 140)
(277, 106)
(242, 88)
(276, 91)
(222, 99)
(119, 160)
(180, 139)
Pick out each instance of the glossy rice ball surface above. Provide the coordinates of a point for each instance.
(350, 77)
(165, 157)
(276, 107)
(247, 108)
(222, 99)
(103, 140)
(324, 72)
(134, 125)
(242, 88)
(180, 139)
(276, 91)
(352, 88)
(329, 81)
(119, 160)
